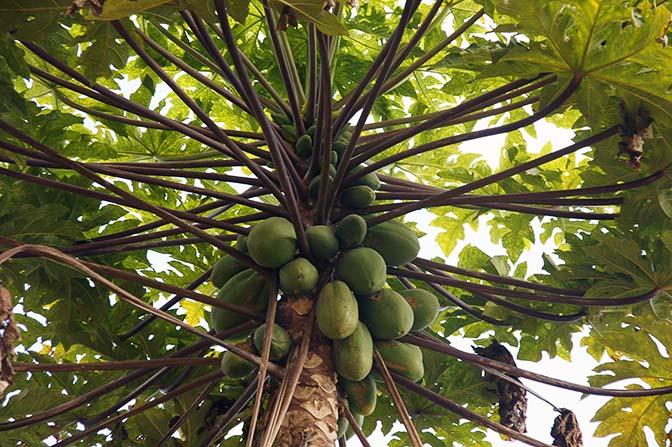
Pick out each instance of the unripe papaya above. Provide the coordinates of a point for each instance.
(387, 314)
(247, 288)
(334, 159)
(350, 231)
(361, 395)
(359, 196)
(362, 269)
(402, 358)
(353, 356)
(235, 366)
(272, 243)
(371, 179)
(314, 185)
(241, 243)
(304, 146)
(337, 311)
(288, 132)
(281, 342)
(395, 242)
(344, 428)
(425, 307)
(224, 270)
(298, 276)
(311, 131)
(339, 147)
(281, 119)
(322, 241)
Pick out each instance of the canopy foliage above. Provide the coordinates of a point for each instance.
(112, 179)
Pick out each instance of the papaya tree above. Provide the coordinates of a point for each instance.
(215, 216)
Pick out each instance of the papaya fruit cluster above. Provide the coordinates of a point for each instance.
(346, 272)
(358, 312)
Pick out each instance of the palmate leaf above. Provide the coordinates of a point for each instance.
(609, 44)
(637, 356)
(84, 319)
(314, 12)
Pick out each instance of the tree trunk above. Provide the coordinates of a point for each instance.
(312, 417)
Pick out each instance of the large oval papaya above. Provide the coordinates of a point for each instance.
(359, 196)
(425, 307)
(281, 342)
(337, 311)
(224, 269)
(402, 358)
(322, 242)
(298, 276)
(353, 356)
(272, 243)
(235, 366)
(362, 269)
(247, 288)
(387, 314)
(395, 242)
(350, 231)
(361, 395)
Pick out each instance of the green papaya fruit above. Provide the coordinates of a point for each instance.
(344, 428)
(311, 131)
(339, 147)
(241, 243)
(361, 395)
(402, 358)
(281, 342)
(395, 242)
(350, 231)
(235, 366)
(349, 431)
(272, 243)
(371, 179)
(322, 242)
(334, 159)
(353, 356)
(298, 276)
(247, 288)
(359, 196)
(425, 307)
(362, 269)
(337, 311)
(387, 314)
(288, 132)
(332, 171)
(304, 146)
(281, 119)
(314, 185)
(224, 269)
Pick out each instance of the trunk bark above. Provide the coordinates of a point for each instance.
(312, 417)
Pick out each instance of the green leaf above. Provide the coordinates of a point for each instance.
(665, 196)
(313, 11)
(238, 9)
(120, 9)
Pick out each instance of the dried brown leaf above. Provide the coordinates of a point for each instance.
(9, 335)
(512, 398)
(566, 431)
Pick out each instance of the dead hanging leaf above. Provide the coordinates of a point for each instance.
(512, 399)
(635, 128)
(9, 335)
(566, 431)
(96, 6)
